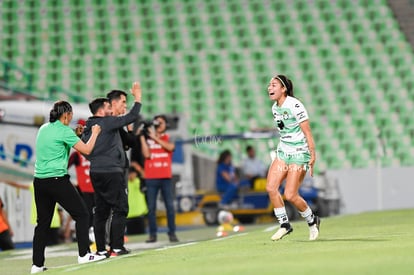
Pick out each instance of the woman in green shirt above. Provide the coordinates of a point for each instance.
(51, 182)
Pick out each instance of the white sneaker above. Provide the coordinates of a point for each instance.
(314, 229)
(89, 257)
(36, 269)
(283, 230)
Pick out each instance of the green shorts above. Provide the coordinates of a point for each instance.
(300, 158)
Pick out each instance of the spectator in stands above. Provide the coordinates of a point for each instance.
(6, 232)
(295, 155)
(252, 167)
(157, 150)
(52, 185)
(227, 182)
(107, 172)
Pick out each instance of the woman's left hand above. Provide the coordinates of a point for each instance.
(312, 163)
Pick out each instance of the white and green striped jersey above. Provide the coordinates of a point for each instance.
(287, 119)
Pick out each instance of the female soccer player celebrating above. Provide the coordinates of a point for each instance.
(295, 154)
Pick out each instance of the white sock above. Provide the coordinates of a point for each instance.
(281, 215)
(307, 215)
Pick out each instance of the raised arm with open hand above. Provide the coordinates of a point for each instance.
(136, 91)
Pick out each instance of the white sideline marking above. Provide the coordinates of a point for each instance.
(73, 267)
(176, 246)
(48, 254)
(59, 251)
(271, 228)
(70, 269)
(229, 237)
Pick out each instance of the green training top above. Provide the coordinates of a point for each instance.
(53, 143)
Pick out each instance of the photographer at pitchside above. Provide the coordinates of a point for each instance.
(157, 150)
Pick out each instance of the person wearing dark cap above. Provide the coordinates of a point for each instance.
(295, 155)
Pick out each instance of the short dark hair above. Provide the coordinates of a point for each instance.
(163, 117)
(132, 170)
(97, 104)
(115, 95)
(249, 147)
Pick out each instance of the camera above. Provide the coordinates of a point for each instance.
(146, 124)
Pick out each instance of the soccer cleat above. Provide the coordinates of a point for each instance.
(118, 252)
(314, 228)
(36, 269)
(283, 230)
(89, 257)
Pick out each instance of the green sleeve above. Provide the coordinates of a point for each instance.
(69, 137)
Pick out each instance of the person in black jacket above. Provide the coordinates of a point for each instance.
(108, 162)
(130, 138)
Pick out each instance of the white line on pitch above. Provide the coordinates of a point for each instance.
(271, 228)
(175, 246)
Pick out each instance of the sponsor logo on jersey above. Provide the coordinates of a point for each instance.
(301, 115)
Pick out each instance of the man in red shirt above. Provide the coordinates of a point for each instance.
(157, 150)
(82, 166)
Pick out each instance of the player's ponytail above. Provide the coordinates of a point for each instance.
(59, 108)
(289, 87)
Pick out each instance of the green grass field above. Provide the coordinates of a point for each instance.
(368, 243)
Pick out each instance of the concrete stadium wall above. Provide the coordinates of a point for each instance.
(17, 204)
(373, 189)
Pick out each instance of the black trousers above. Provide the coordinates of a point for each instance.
(6, 242)
(111, 197)
(89, 199)
(47, 193)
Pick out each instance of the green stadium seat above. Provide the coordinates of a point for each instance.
(212, 53)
